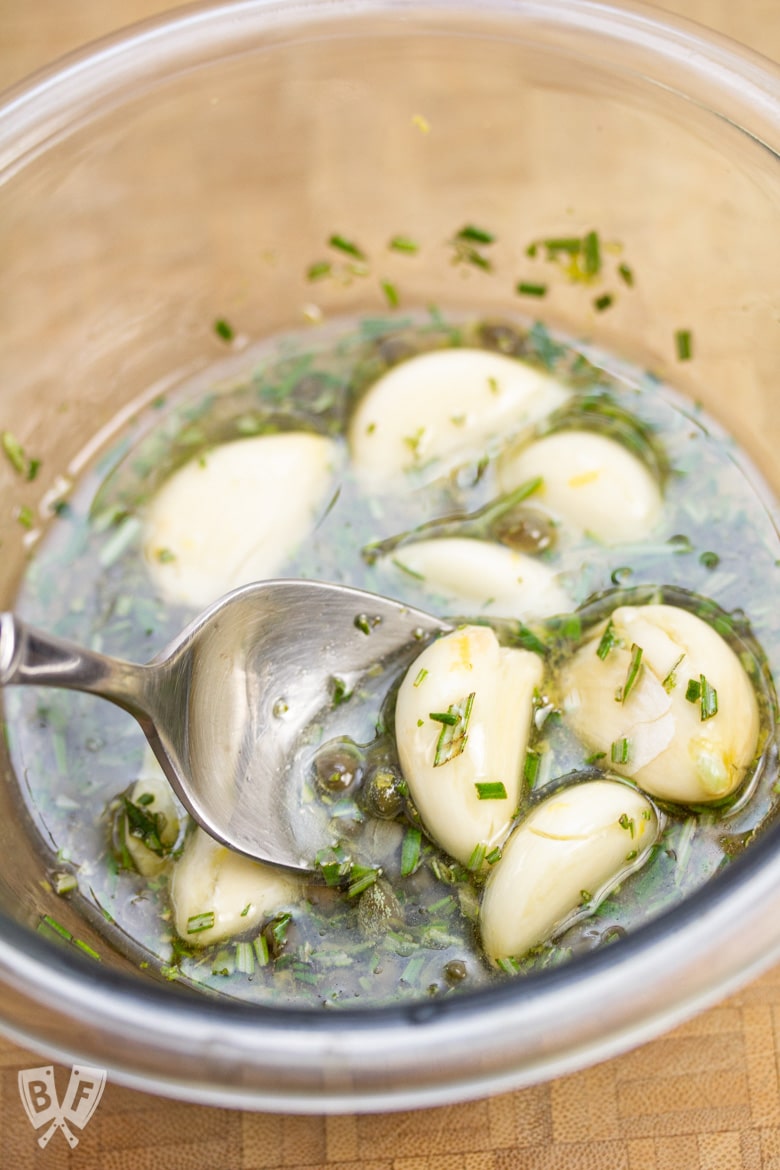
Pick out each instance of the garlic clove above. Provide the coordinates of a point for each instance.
(591, 483)
(484, 577)
(568, 853)
(443, 403)
(467, 662)
(235, 514)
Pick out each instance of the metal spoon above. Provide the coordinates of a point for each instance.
(226, 706)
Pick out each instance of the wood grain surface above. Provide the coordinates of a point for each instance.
(704, 1097)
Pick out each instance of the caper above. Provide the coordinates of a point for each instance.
(455, 971)
(379, 910)
(524, 530)
(338, 765)
(383, 792)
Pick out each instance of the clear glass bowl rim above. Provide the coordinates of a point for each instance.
(555, 1020)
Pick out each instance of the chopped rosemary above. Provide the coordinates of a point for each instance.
(319, 269)
(454, 733)
(626, 822)
(602, 302)
(626, 274)
(475, 235)
(620, 750)
(223, 329)
(478, 855)
(670, 682)
(391, 293)
(199, 922)
(634, 668)
(684, 344)
(404, 244)
(15, 455)
(342, 244)
(531, 766)
(526, 288)
(491, 790)
(608, 641)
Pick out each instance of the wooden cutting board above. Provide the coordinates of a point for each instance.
(704, 1097)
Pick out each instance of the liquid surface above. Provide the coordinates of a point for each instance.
(411, 930)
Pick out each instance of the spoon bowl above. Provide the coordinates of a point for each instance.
(228, 706)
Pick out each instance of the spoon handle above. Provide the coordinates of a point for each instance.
(30, 657)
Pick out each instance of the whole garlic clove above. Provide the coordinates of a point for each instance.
(487, 748)
(217, 893)
(568, 853)
(672, 748)
(446, 402)
(591, 483)
(484, 577)
(235, 514)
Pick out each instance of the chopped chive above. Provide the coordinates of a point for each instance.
(570, 244)
(15, 455)
(603, 302)
(633, 672)
(363, 878)
(342, 244)
(594, 757)
(591, 254)
(670, 682)
(609, 640)
(56, 926)
(246, 910)
(454, 734)
(621, 574)
(319, 269)
(260, 946)
(410, 851)
(626, 822)
(391, 293)
(626, 274)
(693, 690)
(508, 965)
(79, 942)
(526, 288)
(531, 766)
(684, 344)
(709, 700)
(491, 790)
(619, 752)
(475, 235)
(631, 855)
(710, 560)
(493, 856)
(64, 882)
(223, 329)
(404, 244)
(421, 676)
(477, 857)
(25, 516)
(245, 958)
(199, 922)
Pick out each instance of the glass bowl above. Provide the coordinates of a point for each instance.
(191, 168)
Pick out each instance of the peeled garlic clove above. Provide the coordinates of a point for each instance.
(152, 793)
(485, 747)
(448, 401)
(655, 734)
(591, 483)
(568, 853)
(235, 514)
(483, 577)
(217, 893)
